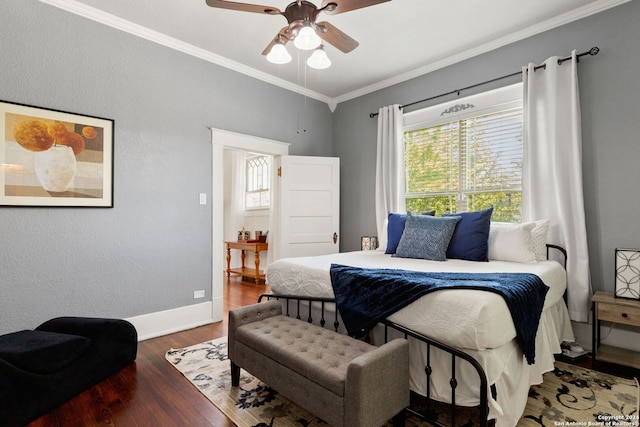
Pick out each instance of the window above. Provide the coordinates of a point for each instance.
(468, 163)
(258, 177)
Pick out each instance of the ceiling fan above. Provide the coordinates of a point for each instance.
(302, 27)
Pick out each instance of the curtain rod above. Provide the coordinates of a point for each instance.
(593, 51)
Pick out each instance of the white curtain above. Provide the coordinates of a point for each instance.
(234, 215)
(552, 169)
(389, 168)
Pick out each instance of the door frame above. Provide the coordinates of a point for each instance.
(221, 139)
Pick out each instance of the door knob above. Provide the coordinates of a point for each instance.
(335, 238)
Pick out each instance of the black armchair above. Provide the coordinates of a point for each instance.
(41, 369)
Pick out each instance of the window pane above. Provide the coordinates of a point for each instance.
(265, 198)
(252, 200)
(257, 186)
(441, 204)
(507, 206)
(467, 165)
(431, 159)
(493, 155)
(257, 173)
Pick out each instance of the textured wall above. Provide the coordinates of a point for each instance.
(609, 89)
(153, 249)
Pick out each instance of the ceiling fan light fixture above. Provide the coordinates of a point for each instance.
(307, 39)
(319, 59)
(278, 54)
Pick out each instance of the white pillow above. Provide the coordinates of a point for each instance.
(539, 239)
(511, 242)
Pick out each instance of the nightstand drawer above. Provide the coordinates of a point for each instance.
(619, 313)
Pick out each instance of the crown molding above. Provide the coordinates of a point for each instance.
(97, 15)
(557, 21)
(113, 21)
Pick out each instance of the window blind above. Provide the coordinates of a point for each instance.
(468, 159)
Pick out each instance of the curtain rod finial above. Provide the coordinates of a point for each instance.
(594, 51)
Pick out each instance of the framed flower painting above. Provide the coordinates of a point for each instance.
(54, 158)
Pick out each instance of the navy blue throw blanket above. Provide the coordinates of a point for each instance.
(365, 296)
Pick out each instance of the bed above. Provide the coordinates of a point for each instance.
(475, 322)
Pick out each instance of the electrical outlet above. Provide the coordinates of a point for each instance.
(198, 294)
(203, 198)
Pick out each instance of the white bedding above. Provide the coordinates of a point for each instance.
(477, 322)
(465, 319)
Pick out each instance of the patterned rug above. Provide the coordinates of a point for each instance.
(569, 396)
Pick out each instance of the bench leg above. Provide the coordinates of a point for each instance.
(235, 375)
(398, 420)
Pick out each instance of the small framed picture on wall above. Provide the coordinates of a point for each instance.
(627, 281)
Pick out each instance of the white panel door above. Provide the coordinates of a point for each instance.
(310, 205)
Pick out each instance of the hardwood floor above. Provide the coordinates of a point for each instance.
(152, 393)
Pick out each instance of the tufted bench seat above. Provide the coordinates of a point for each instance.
(344, 381)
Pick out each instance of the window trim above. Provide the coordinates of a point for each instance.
(463, 108)
(492, 101)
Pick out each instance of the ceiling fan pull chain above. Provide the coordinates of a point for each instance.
(302, 122)
(304, 117)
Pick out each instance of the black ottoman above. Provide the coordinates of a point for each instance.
(43, 368)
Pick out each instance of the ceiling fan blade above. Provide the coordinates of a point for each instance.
(283, 35)
(335, 37)
(347, 5)
(244, 7)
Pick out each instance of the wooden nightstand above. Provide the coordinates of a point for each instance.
(617, 310)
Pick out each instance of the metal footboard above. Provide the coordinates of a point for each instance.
(297, 306)
(301, 307)
(483, 407)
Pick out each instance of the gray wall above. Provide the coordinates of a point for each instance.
(610, 94)
(153, 249)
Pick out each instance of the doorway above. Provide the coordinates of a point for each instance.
(221, 140)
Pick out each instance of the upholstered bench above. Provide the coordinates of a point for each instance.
(344, 381)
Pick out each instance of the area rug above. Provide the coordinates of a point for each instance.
(569, 396)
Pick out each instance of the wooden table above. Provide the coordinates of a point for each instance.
(244, 246)
(616, 310)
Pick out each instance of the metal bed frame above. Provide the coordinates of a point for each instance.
(301, 304)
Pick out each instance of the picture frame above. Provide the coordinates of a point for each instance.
(368, 243)
(54, 158)
(365, 243)
(627, 280)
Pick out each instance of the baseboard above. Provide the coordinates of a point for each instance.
(166, 322)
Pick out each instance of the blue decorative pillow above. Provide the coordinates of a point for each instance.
(426, 237)
(470, 240)
(395, 227)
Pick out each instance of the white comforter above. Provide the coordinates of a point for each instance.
(465, 319)
(477, 322)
